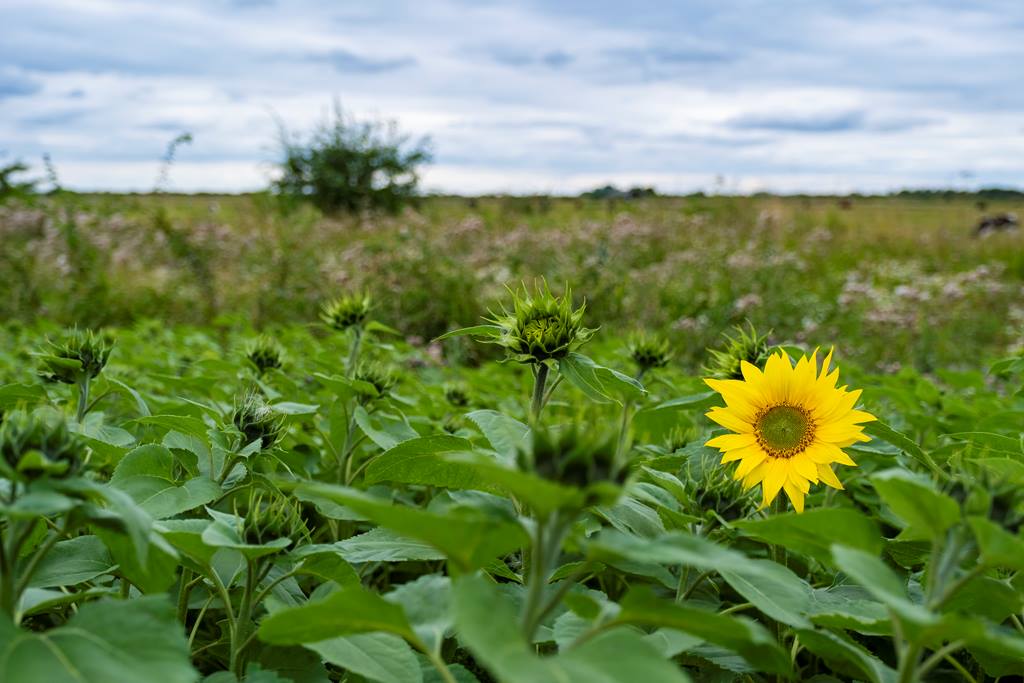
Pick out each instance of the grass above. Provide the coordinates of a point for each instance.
(891, 281)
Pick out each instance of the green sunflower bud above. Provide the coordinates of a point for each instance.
(578, 455)
(271, 518)
(347, 311)
(746, 345)
(80, 356)
(38, 443)
(649, 351)
(265, 354)
(712, 490)
(374, 375)
(256, 420)
(456, 395)
(540, 326)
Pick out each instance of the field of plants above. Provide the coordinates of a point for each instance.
(520, 440)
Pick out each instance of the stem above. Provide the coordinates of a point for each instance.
(239, 636)
(442, 668)
(183, 592)
(940, 654)
(36, 558)
(539, 382)
(620, 447)
(353, 353)
(778, 555)
(696, 582)
(535, 584)
(955, 587)
(83, 397)
(908, 664)
(6, 579)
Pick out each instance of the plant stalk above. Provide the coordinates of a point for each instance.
(539, 383)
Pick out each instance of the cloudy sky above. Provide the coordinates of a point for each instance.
(733, 95)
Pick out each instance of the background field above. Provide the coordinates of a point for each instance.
(891, 281)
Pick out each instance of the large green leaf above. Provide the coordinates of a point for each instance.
(147, 475)
(879, 580)
(999, 548)
(927, 512)
(467, 537)
(427, 605)
(346, 612)
(487, 625)
(73, 561)
(597, 382)
(384, 545)
(743, 636)
(813, 532)
(115, 641)
(506, 435)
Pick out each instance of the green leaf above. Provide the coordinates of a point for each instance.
(881, 582)
(743, 636)
(13, 395)
(488, 627)
(384, 545)
(476, 330)
(377, 656)
(146, 474)
(186, 424)
(326, 563)
(599, 383)
(345, 612)
(71, 562)
(443, 461)
(880, 430)
(812, 532)
(427, 605)
(927, 512)
(469, 538)
(999, 548)
(846, 656)
(505, 434)
(115, 641)
(289, 408)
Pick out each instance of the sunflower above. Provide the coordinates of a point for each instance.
(790, 423)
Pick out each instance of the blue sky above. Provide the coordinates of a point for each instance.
(729, 95)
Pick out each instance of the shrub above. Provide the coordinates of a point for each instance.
(351, 166)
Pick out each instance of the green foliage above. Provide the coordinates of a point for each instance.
(352, 166)
(216, 514)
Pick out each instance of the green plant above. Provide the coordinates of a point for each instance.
(349, 165)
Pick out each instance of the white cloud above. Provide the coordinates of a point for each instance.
(794, 96)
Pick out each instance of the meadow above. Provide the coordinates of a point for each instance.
(244, 441)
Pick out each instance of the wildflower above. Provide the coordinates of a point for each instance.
(649, 351)
(746, 346)
(540, 326)
(79, 357)
(256, 420)
(347, 311)
(265, 354)
(790, 424)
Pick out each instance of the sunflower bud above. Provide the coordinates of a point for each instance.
(746, 345)
(540, 326)
(256, 420)
(268, 520)
(575, 456)
(265, 354)
(456, 395)
(712, 490)
(649, 351)
(79, 357)
(38, 443)
(347, 311)
(375, 376)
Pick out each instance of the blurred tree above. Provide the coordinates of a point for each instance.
(349, 165)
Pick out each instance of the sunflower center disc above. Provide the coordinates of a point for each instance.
(783, 428)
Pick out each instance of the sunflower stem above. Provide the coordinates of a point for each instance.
(539, 383)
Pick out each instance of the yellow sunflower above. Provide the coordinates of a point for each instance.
(790, 423)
